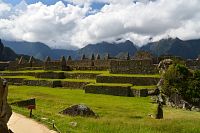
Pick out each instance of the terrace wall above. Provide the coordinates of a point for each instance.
(140, 81)
(108, 90)
(145, 66)
(50, 75)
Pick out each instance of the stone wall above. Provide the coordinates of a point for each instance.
(38, 83)
(140, 81)
(108, 90)
(133, 67)
(79, 63)
(87, 64)
(54, 84)
(74, 85)
(55, 65)
(50, 75)
(14, 65)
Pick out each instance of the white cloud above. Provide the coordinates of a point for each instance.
(4, 9)
(53, 24)
(66, 26)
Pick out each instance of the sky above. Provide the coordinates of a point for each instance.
(72, 24)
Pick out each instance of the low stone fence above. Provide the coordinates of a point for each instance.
(108, 90)
(139, 81)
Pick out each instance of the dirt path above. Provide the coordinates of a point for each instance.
(20, 124)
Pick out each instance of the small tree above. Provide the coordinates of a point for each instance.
(176, 80)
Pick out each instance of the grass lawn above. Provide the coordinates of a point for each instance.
(110, 84)
(144, 87)
(117, 114)
(133, 75)
(93, 72)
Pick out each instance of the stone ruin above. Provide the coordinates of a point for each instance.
(5, 109)
(141, 63)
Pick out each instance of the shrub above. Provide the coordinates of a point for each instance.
(179, 79)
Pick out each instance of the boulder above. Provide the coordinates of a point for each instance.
(78, 110)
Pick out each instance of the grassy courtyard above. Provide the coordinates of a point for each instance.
(116, 114)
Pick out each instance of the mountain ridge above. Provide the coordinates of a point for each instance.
(189, 49)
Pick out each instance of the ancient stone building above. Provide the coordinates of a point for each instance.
(56, 65)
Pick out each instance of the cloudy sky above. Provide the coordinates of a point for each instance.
(76, 23)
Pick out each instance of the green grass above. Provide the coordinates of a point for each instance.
(144, 87)
(110, 84)
(93, 72)
(133, 75)
(116, 114)
(24, 71)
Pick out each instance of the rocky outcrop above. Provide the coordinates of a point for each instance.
(5, 109)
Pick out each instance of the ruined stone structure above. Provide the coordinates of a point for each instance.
(89, 64)
(95, 62)
(56, 65)
(22, 64)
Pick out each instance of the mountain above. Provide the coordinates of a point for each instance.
(37, 49)
(186, 49)
(112, 48)
(6, 54)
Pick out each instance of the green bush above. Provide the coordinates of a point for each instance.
(179, 79)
